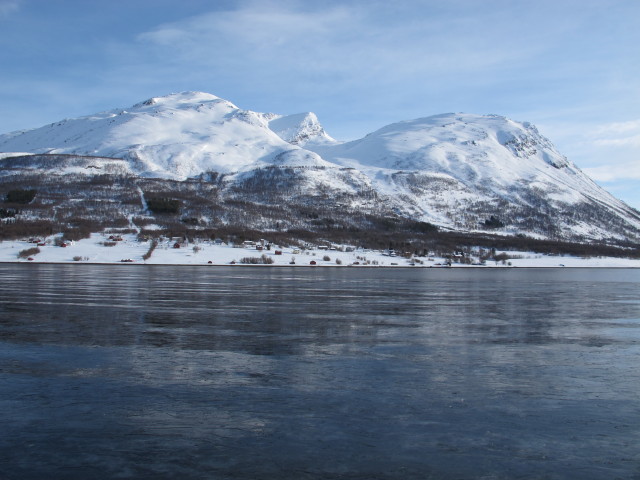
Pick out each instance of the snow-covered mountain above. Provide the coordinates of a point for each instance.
(459, 171)
(301, 129)
(469, 164)
(176, 136)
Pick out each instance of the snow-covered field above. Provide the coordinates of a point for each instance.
(130, 251)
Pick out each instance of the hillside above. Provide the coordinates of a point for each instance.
(229, 169)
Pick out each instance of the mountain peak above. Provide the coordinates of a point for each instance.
(300, 129)
(445, 142)
(182, 99)
(454, 169)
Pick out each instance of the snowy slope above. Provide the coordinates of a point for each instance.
(302, 129)
(92, 250)
(473, 150)
(440, 163)
(453, 170)
(177, 136)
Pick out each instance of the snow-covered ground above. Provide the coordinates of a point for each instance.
(130, 251)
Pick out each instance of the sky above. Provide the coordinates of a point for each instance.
(571, 67)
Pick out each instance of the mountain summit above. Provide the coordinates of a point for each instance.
(177, 136)
(458, 171)
(302, 129)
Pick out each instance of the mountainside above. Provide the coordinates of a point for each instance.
(177, 136)
(457, 171)
(453, 168)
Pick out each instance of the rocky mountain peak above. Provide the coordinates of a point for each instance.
(300, 129)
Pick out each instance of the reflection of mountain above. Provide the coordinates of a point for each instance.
(453, 170)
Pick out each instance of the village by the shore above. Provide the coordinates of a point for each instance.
(130, 249)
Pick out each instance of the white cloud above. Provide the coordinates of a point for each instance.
(357, 43)
(621, 143)
(254, 31)
(615, 172)
(627, 141)
(617, 134)
(618, 128)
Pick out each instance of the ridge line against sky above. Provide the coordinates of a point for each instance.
(570, 67)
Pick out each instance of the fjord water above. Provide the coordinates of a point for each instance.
(273, 373)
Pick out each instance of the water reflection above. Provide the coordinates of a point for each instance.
(165, 372)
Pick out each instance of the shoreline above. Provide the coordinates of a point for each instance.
(246, 265)
(456, 267)
(99, 250)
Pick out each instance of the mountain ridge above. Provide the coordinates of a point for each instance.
(454, 170)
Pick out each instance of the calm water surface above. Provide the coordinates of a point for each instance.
(158, 372)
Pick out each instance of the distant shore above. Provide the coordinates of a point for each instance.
(128, 250)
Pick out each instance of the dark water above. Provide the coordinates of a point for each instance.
(159, 372)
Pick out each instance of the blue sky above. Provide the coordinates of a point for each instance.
(570, 67)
